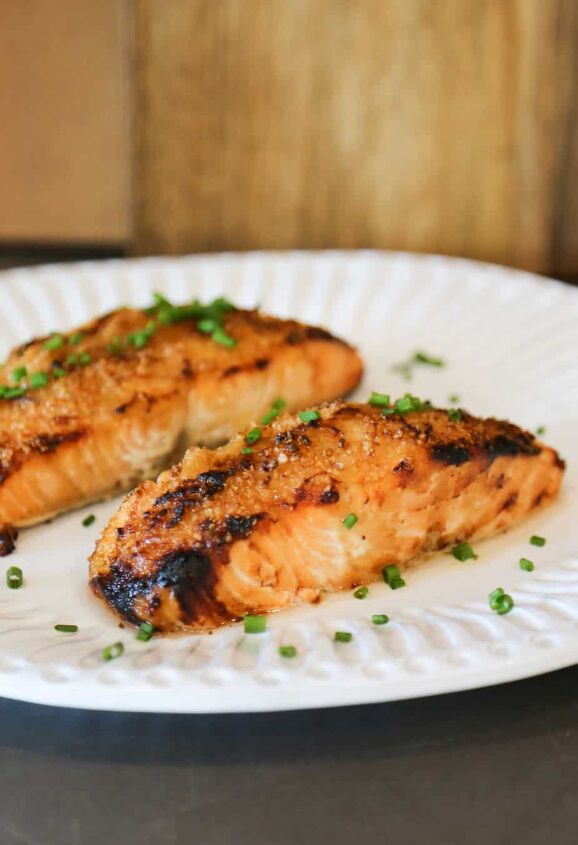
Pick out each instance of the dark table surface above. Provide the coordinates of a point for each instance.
(495, 765)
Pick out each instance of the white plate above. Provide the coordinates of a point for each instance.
(511, 344)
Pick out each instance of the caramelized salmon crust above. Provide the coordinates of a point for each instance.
(232, 532)
(109, 413)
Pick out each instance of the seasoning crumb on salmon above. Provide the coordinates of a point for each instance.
(226, 534)
(87, 415)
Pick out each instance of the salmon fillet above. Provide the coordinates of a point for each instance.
(233, 532)
(87, 415)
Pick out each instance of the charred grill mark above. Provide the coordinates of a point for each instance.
(404, 469)
(187, 370)
(196, 490)
(302, 334)
(8, 537)
(539, 499)
(453, 454)
(320, 489)
(509, 502)
(257, 364)
(500, 481)
(292, 441)
(120, 588)
(47, 443)
(516, 442)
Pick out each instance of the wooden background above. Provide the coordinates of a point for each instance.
(182, 125)
(441, 125)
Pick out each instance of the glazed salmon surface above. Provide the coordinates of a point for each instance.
(121, 403)
(232, 532)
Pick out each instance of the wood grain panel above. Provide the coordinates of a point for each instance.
(437, 125)
(64, 135)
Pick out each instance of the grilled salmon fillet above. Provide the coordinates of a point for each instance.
(232, 532)
(87, 415)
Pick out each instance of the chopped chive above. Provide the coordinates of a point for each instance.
(361, 593)
(221, 337)
(500, 601)
(75, 338)
(526, 564)
(66, 629)
(58, 372)
(541, 430)
(390, 573)
(343, 637)
(246, 450)
(145, 631)
(409, 403)
(253, 436)
(18, 374)
(14, 577)
(380, 400)
(496, 597)
(429, 360)
(84, 358)
(397, 583)
(276, 408)
(454, 414)
(453, 398)
(72, 359)
(255, 624)
(537, 541)
(111, 652)
(350, 520)
(14, 392)
(380, 619)
(463, 551)
(207, 326)
(309, 416)
(54, 342)
(37, 380)
(287, 651)
(88, 520)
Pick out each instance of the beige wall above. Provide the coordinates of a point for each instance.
(64, 121)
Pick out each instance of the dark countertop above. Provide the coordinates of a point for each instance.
(495, 765)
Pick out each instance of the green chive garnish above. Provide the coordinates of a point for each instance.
(75, 338)
(287, 651)
(453, 398)
(111, 652)
(253, 436)
(541, 430)
(276, 409)
(380, 619)
(145, 631)
(66, 629)
(207, 326)
(246, 450)
(115, 346)
(429, 360)
(537, 541)
(84, 358)
(221, 337)
(18, 374)
(58, 372)
(454, 414)
(343, 637)
(463, 551)
(500, 601)
(392, 577)
(409, 403)
(380, 400)
(14, 392)
(309, 416)
(54, 342)
(14, 577)
(88, 520)
(255, 624)
(72, 359)
(361, 593)
(350, 520)
(526, 564)
(37, 380)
